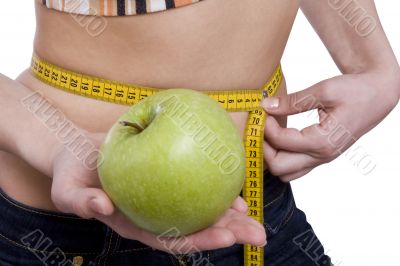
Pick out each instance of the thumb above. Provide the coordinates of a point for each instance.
(99, 204)
(85, 202)
(295, 103)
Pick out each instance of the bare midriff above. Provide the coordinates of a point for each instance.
(211, 45)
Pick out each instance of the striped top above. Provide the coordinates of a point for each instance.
(114, 7)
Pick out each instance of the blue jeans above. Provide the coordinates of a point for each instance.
(30, 236)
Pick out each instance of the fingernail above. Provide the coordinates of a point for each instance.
(265, 243)
(94, 204)
(270, 103)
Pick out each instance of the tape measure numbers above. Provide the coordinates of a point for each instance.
(230, 100)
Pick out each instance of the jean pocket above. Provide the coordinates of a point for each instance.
(27, 228)
(13, 253)
(279, 204)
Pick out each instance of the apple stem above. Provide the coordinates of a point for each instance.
(134, 125)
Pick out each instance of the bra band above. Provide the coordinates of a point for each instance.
(114, 7)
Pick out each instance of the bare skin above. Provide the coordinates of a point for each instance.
(209, 45)
(151, 60)
(220, 45)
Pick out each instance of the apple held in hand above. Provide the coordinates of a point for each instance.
(174, 160)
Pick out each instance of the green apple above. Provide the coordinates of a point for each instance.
(175, 160)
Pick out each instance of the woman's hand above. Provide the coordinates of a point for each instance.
(348, 107)
(76, 189)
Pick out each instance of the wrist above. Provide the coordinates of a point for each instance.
(81, 144)
(30, 127)
(386, 79)
(53, 153)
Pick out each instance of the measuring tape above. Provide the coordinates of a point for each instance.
(230, 100)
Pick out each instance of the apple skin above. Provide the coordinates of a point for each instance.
(172, 175)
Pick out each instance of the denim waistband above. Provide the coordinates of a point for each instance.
(22, 225)
(19, 223)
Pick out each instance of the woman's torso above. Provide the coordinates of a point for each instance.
(213, 44)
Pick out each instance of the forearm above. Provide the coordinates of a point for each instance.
(348, 105)
(352, 32)
(21, 132)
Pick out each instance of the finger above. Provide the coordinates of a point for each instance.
(316, 96)
(126, 229)
(295, 175)
(289, 139)
(312, 140)
(240, 205)
(281, 162)
(232, 214)
(246, 233)
(89, 202)
(321, 141)
(233, 227)
(210, 238)
(100, 204)
(245, 228)
(84, 202)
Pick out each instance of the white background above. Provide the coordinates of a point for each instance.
(356, 216)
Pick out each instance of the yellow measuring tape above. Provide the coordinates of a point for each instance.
(231, 100)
